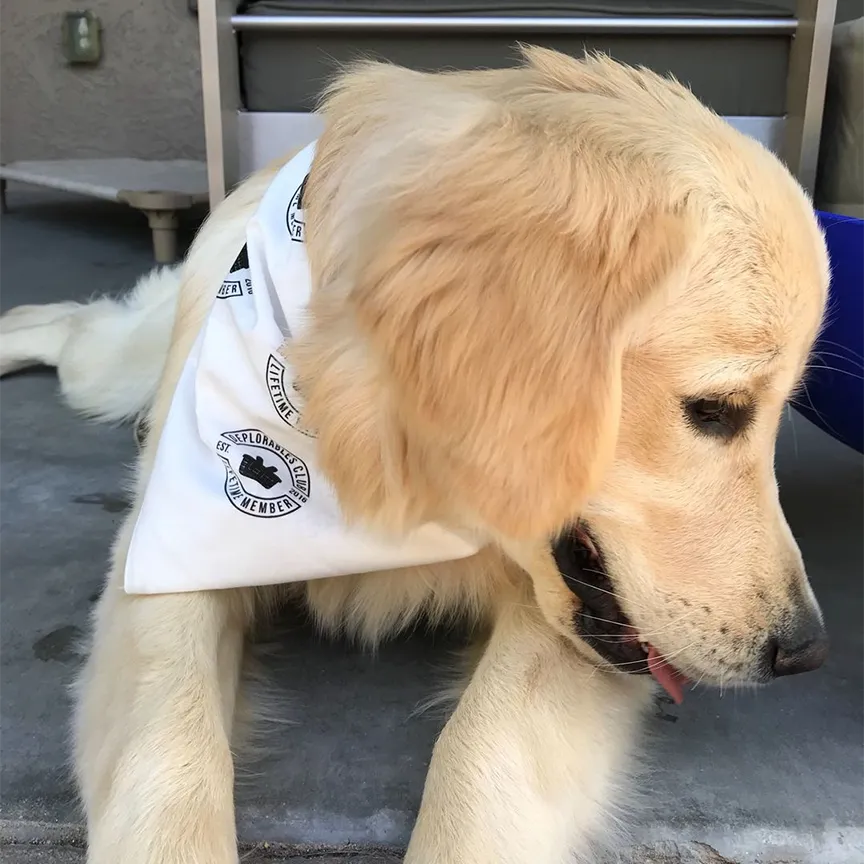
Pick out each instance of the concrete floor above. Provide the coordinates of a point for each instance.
(769, 776)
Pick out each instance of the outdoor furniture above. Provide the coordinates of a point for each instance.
(761, 64)
(840, 182)
(158, 189)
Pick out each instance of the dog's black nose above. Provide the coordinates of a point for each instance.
(801, 648)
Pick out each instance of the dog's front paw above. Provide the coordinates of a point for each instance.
(164, 812)
(178, 833)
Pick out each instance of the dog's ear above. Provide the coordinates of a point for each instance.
(485, 294)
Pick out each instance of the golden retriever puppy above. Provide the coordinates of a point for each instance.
(560, 307)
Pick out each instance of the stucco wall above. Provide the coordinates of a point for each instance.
(143, 99)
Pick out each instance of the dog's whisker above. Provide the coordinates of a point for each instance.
(851, 351)
(666, 657)
(818, 355)
(838, 371)
(793, 401)
(614, 594)
(646, 635)
(699, 680)
(669, 624)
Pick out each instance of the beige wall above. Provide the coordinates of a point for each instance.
(143, 99)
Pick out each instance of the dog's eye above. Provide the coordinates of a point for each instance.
(718, 416)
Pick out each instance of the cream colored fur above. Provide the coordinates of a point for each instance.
(88, 342)
(519, 275)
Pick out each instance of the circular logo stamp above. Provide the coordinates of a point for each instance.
(262, 478)
(284, 396)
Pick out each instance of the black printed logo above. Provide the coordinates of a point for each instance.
(237, 282)
(241, 262)
(262, 478)
(284, 396)
(294, 218)
(254, 468)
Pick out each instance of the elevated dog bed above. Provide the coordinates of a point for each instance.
(157, 189)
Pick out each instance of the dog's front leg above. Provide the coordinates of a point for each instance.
(526, 766)
(156, 702)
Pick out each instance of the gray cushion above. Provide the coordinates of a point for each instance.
(737, 8)
(734, 74)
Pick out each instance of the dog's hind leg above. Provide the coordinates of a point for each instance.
(527, 768)
(156, 702)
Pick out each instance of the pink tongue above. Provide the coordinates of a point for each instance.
(669, 678)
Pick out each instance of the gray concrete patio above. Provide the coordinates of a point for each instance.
(769, 776)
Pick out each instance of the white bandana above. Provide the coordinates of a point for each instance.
(235, 497)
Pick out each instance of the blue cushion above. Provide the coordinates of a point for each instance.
(833, 396)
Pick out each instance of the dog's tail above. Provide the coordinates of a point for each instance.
(109, 353)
